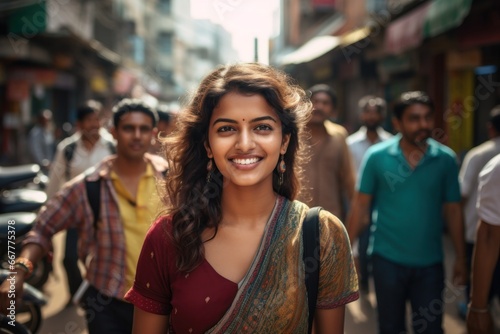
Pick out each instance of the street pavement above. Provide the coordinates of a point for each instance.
(360, 315)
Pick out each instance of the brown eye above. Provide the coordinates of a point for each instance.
(263, 127)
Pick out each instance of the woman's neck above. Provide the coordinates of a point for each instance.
(247, 206)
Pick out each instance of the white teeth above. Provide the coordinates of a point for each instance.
(245, 161)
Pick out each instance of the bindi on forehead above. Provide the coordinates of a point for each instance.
(243, 119)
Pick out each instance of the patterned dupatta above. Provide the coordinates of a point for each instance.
(271, 297)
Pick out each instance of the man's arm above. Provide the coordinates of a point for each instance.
(359, 209)
(347, 174)
(454, 220)
(486, 255)
(33, 253)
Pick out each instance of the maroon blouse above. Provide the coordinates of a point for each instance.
(195, 301)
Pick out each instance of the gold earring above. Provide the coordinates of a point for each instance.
(281, 169)
(210, 168)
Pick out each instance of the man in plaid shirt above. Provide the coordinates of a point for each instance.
(110, 247)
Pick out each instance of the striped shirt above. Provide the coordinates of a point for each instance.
(105, 248)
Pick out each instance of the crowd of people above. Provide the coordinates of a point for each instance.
(192, 223)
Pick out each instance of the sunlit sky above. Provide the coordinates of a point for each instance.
(244, 19)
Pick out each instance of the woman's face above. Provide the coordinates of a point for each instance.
(245, 139)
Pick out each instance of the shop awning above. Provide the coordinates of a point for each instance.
(355, 36)
(407, 31)
(444, 15)
(314, 48)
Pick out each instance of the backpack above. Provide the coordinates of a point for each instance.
(93, 189)
(69, 152)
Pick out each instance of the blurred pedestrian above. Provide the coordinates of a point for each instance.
(474, 161)
(227, 257)
(110, 238)
(409, 179)
(75, 154)
(42, 140)
(372, 111)
(165, 126)
(329, 173)
(487, 250)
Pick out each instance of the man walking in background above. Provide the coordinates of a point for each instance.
(409, 179)
(487, 250)
(128, 203)
(87, 147)
(372, 111)
(42, 140)
(474, 161)
(329, 173)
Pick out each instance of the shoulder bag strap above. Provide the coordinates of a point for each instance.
(310, 239)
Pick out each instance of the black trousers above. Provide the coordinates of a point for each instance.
(107, 315)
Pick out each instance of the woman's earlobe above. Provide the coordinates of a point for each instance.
(209, 151)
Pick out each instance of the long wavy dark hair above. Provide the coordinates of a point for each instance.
(194, 203)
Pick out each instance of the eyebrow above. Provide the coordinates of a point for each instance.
(258, 119)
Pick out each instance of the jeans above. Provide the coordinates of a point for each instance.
(70, 261)
(422, 286)
(107, 315)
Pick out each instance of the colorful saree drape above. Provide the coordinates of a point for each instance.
(272, 297)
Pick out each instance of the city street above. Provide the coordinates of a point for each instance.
(360, 315)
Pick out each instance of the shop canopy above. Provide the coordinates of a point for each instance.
(444, 15)
(314, 48)
(407, 31)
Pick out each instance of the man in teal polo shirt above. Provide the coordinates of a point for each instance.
(410, 179)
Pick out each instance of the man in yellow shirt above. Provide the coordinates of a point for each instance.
(128, 204)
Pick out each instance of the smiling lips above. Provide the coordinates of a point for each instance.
(248, 161)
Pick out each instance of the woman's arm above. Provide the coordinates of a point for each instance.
(145, 322)
(329, 321)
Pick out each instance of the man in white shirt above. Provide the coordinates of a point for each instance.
(485, 278)
(87, 147)
(42, 141)
(473, 162)
(372, 111)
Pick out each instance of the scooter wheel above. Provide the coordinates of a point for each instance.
(7, 328)
(30, 316)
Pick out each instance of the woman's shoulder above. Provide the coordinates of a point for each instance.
(328, 218)
(160, 230)
(325, 217)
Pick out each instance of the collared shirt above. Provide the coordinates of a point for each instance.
(105, 247)
(488, 201)
(136, 213)
(329, 173)
(408, 202)
(82, 160)
(359, 143)
(474, 161)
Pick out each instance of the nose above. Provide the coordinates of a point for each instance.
(137, 132)
(245, 141)
(425, 123)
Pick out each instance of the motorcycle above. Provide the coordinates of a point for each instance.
(27, 317)
(21, 188)
(17, 205)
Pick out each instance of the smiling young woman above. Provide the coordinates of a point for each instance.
(227, 255)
